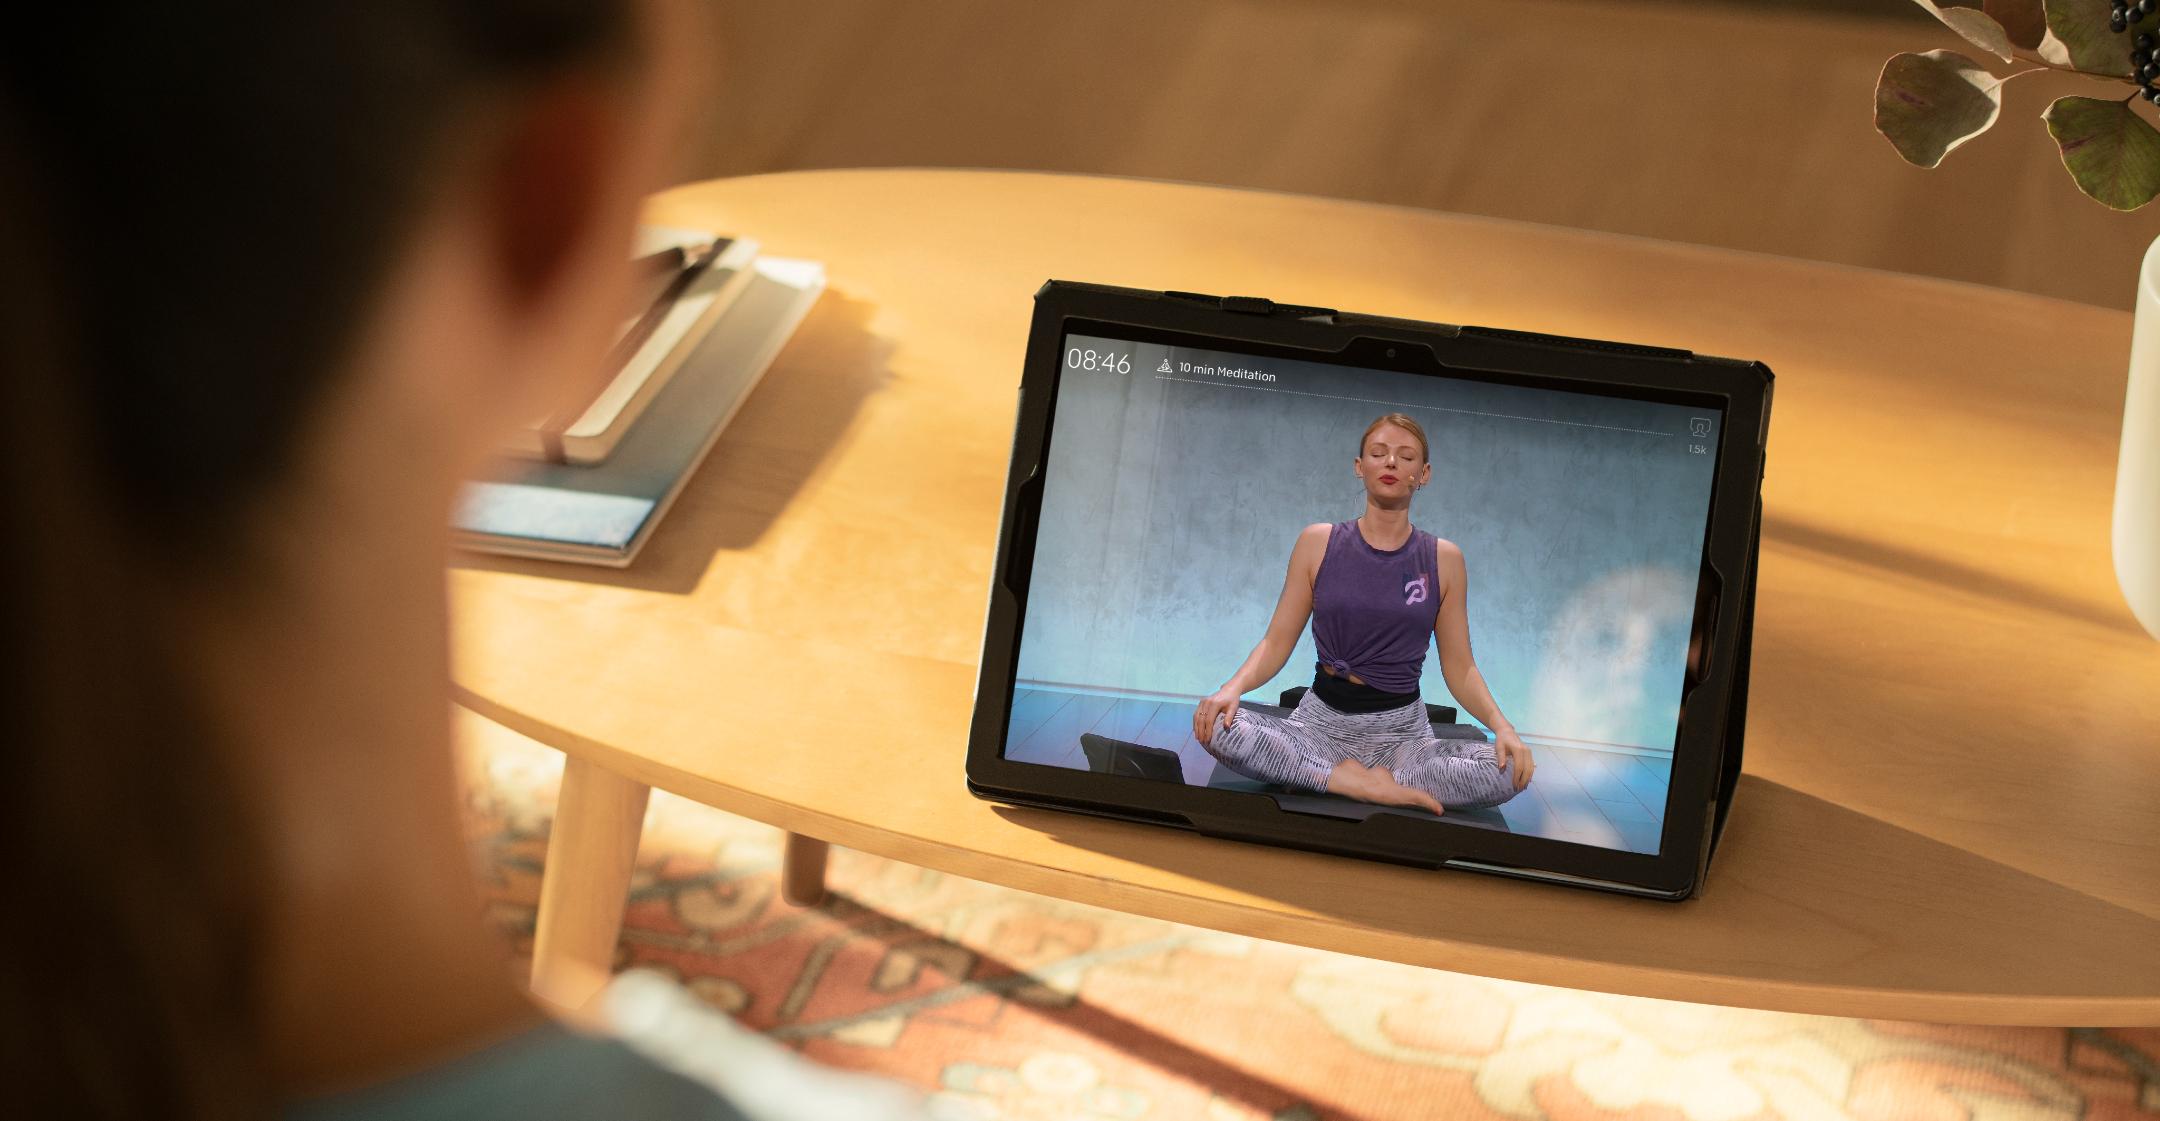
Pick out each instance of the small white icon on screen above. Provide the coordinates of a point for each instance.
(1699, 426)
(1164, 368)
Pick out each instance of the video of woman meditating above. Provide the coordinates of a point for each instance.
(1362, 591)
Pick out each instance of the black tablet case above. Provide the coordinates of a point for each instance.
(1287, 833)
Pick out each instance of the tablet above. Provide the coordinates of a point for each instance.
(1456, 597)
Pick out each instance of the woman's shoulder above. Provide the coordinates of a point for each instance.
(1314, 542)
(543, 1074)
(665, 1056)
(1316, 539)
(1442, 544)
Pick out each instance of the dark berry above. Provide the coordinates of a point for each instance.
(2144, 41)
(2116, 23)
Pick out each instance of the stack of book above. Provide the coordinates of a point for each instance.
(589, 481)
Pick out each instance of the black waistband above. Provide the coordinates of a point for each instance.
(1345, 695)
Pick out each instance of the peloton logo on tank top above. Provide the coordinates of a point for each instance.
(1414, 591)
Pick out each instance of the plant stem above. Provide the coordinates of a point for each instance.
(2040, 64)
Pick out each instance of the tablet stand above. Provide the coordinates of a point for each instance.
(1728, 773)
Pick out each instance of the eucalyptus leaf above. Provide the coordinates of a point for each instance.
(2078, 37)
(2112, 152)
(2024, 21)
(1979, 28)
(1927, 104)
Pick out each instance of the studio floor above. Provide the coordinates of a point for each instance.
(1014, 1007)
(1604, 798)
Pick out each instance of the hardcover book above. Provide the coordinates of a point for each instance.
(603, 514)
(698, 277)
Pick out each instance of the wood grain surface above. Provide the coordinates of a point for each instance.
(1954, 736)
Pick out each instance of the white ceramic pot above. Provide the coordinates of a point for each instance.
(2137, 473)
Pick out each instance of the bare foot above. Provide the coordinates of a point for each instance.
(1353, 779)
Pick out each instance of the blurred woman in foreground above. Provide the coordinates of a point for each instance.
(273, 278)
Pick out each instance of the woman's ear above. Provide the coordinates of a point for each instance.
(573, 159)
(550, 184)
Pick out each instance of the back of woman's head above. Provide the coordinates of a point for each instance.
(198, 207)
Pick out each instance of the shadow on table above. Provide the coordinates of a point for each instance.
(781, 436)
(1789, 862)
(1823, 540)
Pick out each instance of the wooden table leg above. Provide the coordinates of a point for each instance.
(586, 882)
(802, 870)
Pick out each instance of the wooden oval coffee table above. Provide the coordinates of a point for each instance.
(1951, 809)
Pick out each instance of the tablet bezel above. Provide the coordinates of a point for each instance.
(1258, 327)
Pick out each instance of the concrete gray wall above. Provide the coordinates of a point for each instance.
(1172, 502)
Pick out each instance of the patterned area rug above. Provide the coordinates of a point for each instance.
(1013, 1006)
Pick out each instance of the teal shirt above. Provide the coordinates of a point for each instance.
(547, 1074)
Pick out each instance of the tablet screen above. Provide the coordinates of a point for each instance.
(1217, 525)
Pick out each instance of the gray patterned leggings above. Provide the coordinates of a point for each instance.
(1300, 749)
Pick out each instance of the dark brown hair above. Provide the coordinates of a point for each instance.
(198, 204)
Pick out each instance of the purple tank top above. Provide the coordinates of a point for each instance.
(1374, 611)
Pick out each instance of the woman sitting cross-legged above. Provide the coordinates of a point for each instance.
(1376, 590)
